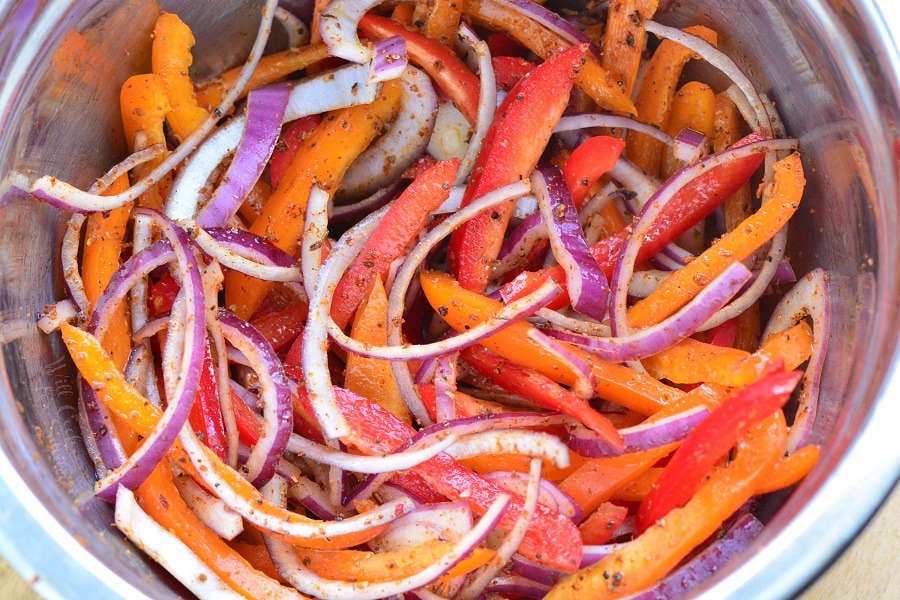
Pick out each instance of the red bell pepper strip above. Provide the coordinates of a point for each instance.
(552, 538)
(206, 413)
(512, 147)
(446, 69)
(711, 440)
(162, 295)
(289, 143)
(501, 44)
(590, 161)
(725, 334)
(600, 526)
(693, 203)
(393, 236)
(508, 70)
(282, 326)
(541, 390)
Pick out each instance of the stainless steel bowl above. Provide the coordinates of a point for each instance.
(833, 69)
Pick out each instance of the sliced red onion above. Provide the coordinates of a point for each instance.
(634, 179)
(240, 250)
(357, 463)
(453, 201)
(210, 510)
(68, 253)
(582, 386)
(403, 142)
(552, 21)
(315, 234)
(585, 281)
(98, 431)
(254, 507)
(388, 58)
(56, 314)
(517, 587)
(275, 394)
(346, 86)
(262, 124)
(310, 495)
(643, 283)
(562, 321)
(307, 582)
(656, 338)
(689, 145)
(593, 554)
(528, 443)
(135, 159)
(338, 23)
(446, 521)
(550, 494)
(477, 581)
(518, 244)
(638, 438)
(167, 550)
(707, 563)
(348, 214)
(451, 133)
(588, 120)
(66, 196)
(487, 100)
(811, 298)
(296, 30)
(445, 386)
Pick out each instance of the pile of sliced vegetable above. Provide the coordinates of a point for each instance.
(447, 299)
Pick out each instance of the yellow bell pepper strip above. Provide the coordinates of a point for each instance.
(449, 72)
(624, 40)
(322, 161)
(693, 107)
(654, 99)
(462, 309)
(593, 79)
(643, 561)
(780, 202)
(398, 230)
(512, 147)
(171, 59)
(541, 390)
(371, 377)
(360, 565)
(595, 481)
(271, 68)
(711, 440)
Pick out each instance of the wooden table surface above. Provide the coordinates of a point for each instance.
(869, 570)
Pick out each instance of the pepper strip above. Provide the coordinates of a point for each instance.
(442, 20)
(271, 68)
(693, 107)
(462, 309)
(144, 105)
(511, 149)
(654, 99)
(643, 561)
(171, 59)
(593, 79)
(624, 40)
(780, 202)
(322, 160)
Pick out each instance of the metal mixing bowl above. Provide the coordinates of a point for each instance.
(831, 67)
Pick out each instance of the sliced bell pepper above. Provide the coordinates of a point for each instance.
(654, 98)
(370, 377)
(171, 59)
(501, 44)
(441, 20)
(693, 203)
(464, 405)
(593, 79)
(624, 40)
(601, 524)
(398, 229)
(590, 161)
(509, 70)
(646, 559)
(693, 107)
(512, 147)
(144, 105)
(206, 413)
(462, 309)
(541, 390)
(282, 326)
(326, 155)
(445, 68)
(638, 488)
(271, 68)
(289, 143)
(711, 440)
(780, 202)
(488, 463)
(788, 470)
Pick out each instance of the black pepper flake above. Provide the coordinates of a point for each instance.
(443, 311)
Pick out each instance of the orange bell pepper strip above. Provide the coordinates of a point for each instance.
(638, 488)
(487, 463)
(144, 105)
(602, 86)
(442, 20)
(323, 159)
(643, 561)
(711, 440)
(780, 202)
(624, 40)
(372, 377)
(271, 68)
(788, 470)
(461, 309)
(360, 565)
(393, 237)
(595, 481)
(257, 555)
(171, 59)
(512, 147)
(541, 390)
(601, 524)
(446, 69)
(654, 99)
(693, 107)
